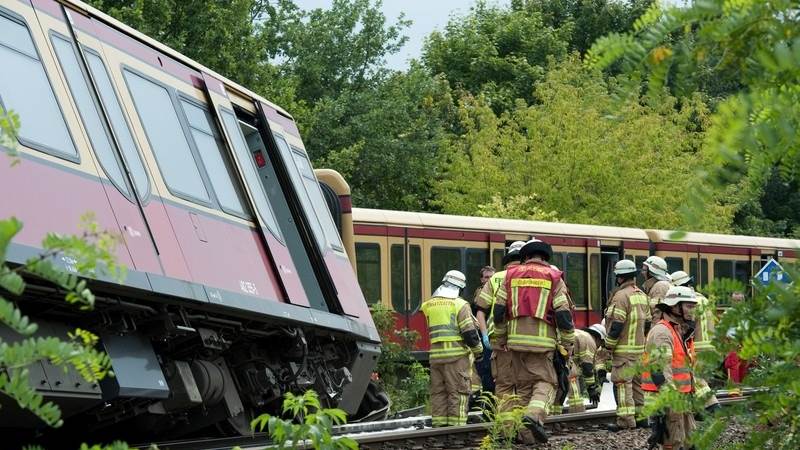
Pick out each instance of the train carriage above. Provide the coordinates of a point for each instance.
(402, 256)
(239, 286)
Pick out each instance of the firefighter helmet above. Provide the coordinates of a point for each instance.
(515, 247)
(624, 266)
(536, 246)
(598, 330)
(677, 294)
(456, 278)
(658, 267)
(680, 278)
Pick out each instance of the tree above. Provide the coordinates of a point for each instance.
(577, 155)
(384, 140)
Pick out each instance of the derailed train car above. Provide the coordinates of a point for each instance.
(239, 287)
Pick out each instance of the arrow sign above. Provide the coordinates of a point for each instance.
(772, 271)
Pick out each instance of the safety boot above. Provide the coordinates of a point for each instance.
(615, 427)
(536, 428)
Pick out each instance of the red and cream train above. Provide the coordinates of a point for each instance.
(239, 287)
(402, 256)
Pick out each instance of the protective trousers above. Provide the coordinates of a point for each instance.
(503, 373)
(450, 386)
(679, 427)
(575, 398)
(535, 380)
(702, 389)
(627, 391)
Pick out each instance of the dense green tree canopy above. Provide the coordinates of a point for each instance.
(578, 155)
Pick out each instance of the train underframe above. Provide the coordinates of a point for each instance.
(184, 368)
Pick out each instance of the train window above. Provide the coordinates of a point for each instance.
(415, 281)
(497, 259)
(169, 143)
(442, 260)
(558, 260)
(576, 277)
(742, 272)
(95, 127)
(368, 266)
(211, 149)
(476, 260)
(639, 263)
(674, 264)
(25, 89)
(398, 277)
(702, 278)
(595, 276)
(723, 268)
(119, 124)
(248, 168)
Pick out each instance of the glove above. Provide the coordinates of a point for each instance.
(486, 343)
(594, 393)
(601, 375)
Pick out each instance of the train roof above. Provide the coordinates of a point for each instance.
(147, 40)
(729, 240)
(514, 226)
(422, 220)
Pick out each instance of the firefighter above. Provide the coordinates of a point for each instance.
(602, 358)
(483, 372)
(656, 284)
(454, 338)
(496, 333)
(625, 318)
(704, 328)
(533, 299)
(670, 355)
(582, 371)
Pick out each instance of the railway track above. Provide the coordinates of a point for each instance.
(416, 432)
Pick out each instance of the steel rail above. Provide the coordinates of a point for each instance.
(415, 428)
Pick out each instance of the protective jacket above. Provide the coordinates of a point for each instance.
(536, 303)
(676, 355)
(655, 290)
(625, 319)
(449, 322)
(583, 356)
(705, 324)
(486, 301)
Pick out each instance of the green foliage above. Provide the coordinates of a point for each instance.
(81, 255)
(504, 416)
(9, 127)
(307, 421)
(721, 290)
(403, 378)
(754, 131)
(577, 154)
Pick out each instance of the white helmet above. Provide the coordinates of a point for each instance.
(658, 267)
(515, 247)
(680, 278)
(624, 266)
(599, 329)
(456, 278)
(677, 294)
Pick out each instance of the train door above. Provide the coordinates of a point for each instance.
(110, 137)
(608, 258)
(247, 162)
(405, 272)
(320, 237)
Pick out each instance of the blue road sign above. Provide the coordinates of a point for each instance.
(772, 271)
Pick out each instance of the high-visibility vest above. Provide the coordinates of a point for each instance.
(497, 279)
(442, 316)
(529, 290)
(682, 358)
(702, 334)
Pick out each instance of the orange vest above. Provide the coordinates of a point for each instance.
(529, 288)
(682, 358)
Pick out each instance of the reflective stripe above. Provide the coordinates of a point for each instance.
(537, 341)
(560, 300)
(681, 361)
(629, 349)
(531, 282)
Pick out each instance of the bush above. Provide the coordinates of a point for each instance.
(404, 379)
